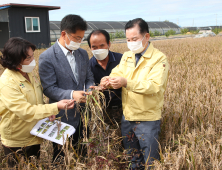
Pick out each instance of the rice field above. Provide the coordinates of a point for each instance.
(191, 127)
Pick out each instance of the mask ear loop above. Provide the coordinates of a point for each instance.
(82, 40)
(67, 36)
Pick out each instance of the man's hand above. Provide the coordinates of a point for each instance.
(118, 82)
(79, 96)
(105, 82)
(63, 104)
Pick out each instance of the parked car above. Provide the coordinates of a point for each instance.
(205, 34)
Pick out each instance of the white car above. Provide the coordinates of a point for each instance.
(206, 34)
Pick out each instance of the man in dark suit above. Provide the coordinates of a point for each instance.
(102, 63)
(65, 73)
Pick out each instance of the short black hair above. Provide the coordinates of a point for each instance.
(14, 52)
(144, 28)
(96, 32)
(72, 23)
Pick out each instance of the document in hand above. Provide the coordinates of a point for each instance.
(51, 130)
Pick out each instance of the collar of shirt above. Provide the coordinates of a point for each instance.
(18, 76)
(65, 51)
(111, 59)
(145, 49)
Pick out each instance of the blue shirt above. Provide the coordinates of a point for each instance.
(99, 73)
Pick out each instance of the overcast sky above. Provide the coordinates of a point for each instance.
(183, 13)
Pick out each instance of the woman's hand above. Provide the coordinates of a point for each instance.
(52, 118)
(65, 104)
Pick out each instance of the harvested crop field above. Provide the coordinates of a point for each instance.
(191, 128)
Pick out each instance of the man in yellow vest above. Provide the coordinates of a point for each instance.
(142, 74)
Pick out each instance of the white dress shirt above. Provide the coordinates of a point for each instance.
(71, 59)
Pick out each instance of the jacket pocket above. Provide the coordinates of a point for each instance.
(39, 94)
(29, 95)
(6, 128)
(21, 129)
(142, 103)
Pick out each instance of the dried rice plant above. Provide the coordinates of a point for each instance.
(103, 142)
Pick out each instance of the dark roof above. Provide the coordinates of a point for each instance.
(158, 24)
(106, 24)
(28, 6)
(116, 25)
(55, 25)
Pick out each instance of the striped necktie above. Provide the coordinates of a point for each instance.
(74, 66)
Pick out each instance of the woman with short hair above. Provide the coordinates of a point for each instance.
(21, 100)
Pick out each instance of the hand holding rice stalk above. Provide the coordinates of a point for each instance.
(65, 105)
(113, 82)
(69, 104)
(105, 83)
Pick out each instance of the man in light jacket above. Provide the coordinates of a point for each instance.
(142, 74)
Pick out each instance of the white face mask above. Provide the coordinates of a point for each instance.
(28, 68)
(136, 47)
(100, 54)
(72, 45)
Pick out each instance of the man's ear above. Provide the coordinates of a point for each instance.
(109, 44)
(147, 36)
(63, 34)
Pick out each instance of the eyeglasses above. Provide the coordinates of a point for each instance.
(79, 40)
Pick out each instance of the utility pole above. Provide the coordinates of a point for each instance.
(216, 19)
(193, 21)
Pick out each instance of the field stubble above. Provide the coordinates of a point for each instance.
(191, 128)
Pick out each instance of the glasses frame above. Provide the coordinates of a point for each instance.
(78, 40)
